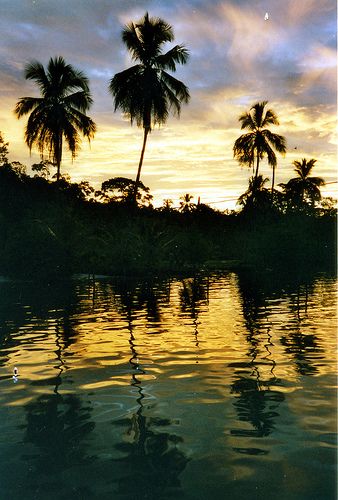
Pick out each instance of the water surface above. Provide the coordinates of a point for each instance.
(220, 386)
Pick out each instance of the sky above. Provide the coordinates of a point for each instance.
(237, 58)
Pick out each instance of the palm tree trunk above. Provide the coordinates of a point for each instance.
(146, 131)
(273, 183)
(58, 163)
(257, 165)
(58, 157)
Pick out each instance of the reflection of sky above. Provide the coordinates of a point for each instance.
(236, 59)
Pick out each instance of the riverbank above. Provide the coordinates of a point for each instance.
(60, 236)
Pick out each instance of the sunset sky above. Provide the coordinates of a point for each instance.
(236, 59)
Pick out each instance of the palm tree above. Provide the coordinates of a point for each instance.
(259, 141)
(257, 195)
(303, 189)
(60, 111)
(145, 91)
(186, 205)
(167, 205)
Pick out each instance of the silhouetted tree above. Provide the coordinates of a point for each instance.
(146, 92)
(259, 141)
(59, 114)
(121, 189)
(256, 196)
(87, 190)
(42, 168)
(167, 205)
(18, 167)
(303, 190)
(3, 150)
(186, 205)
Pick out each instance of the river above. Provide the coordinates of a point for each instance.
(198, 387)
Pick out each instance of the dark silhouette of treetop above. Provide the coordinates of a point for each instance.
(60, 113)
(303, 189)
(259, 141)
(121, 189)
(3, 150)
(257, 195)
(146, 92)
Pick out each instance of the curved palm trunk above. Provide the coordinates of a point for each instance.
(146, 132)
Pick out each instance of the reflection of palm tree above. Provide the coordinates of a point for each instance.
(134, 296)
(303, 189)
(146, 92)
(153, 462)
(255, 402)
(60, 112)
(57, 425)
(259, 141)
(191, 293)
(302, 346)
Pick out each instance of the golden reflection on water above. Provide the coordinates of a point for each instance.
(208, 327)
(226, 361)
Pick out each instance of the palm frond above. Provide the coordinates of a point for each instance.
(178, 54)
(71, 138)
(268, 151)
(36, 72)
(247, 121)
(257, 112)
(243, 149)
(153, 33)
(178, 88)
(270, 118)
(25, 105)
(278, 142)
(304, 167)
(63, 78)
(82, 122)
(80, 100)
(316, 181)
(131, 39)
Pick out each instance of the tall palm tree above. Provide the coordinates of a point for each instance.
(259, 141)
(303, 189)
(59, 114)
(145, 91)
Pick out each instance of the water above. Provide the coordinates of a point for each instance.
(208, 387)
